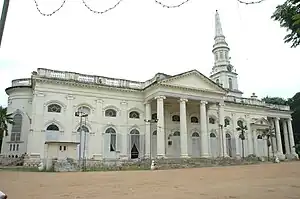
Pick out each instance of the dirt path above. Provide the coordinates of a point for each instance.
(274, 181)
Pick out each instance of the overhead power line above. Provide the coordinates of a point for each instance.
(250, 2)
(173, 6)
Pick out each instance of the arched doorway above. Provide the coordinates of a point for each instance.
(213, 145)
(195, 144)
(154, 144)
(228, 144)
(135, 144)
(262, 147)
(176, 144)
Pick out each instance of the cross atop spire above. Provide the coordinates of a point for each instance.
(218, 26)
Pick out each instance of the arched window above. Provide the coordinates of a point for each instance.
(14, 147)
(17, 147)
(154, 116)
(176, 118)
(221, 55)
(16, 128)
(154, 133)
(227, 136)
(194, 119)
(113, 138)
(217, 81)
(259, 137)
(10, 147)
(54, 108)
(52, 127)
(230, 83)
(216, 56)
(111, 113)
(176, 133)
(134, 115)
(84, 128)
(240, 123)
(195, 134)
(134, 132)
(212, 135)
(226, 122)
(212, 120)
(85, 110)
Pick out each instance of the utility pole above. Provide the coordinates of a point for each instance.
(81, 115)
(3, 18)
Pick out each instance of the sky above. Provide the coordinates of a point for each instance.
(138, 38)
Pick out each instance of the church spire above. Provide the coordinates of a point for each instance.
(218, 25)
(220, 48)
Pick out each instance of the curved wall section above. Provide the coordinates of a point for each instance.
(20, 105)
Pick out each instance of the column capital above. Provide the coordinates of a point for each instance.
(183, 100)
(289, 119)
(203, 102)
(161, 97)
(277, 118)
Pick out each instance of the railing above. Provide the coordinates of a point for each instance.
(57, 136)
(21, 82)
(256, 102)
(64, 75)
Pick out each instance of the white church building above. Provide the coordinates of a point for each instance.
(185, 115)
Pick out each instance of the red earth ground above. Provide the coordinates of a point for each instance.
(274, 181)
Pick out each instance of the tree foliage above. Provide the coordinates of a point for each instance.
(4, 120)
(288, 15)
(275, 100)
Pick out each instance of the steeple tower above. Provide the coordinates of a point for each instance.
(223, 73)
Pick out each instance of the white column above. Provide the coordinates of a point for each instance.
(278, 136)
(161, 151)
(204, 134)
(286, 137)
(255, 149)
(236, 136)
(249, 136)
(273, 139)
(291, 135)
(183, 129)
(222, 133)
(148, 130)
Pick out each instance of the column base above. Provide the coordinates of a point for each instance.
(280, 156)
(123, 157)
(204, 156)
(185, 156)
(163, 156)
(296, 156)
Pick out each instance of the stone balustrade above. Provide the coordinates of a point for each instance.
(255, 102)
(41, 72)
(21, 82)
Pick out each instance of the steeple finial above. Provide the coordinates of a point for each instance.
(218, 26)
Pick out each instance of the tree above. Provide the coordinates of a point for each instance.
(4, 120)
(275, 100)
(268, 133)
(242, 129)
(294, 103)
(288, 15)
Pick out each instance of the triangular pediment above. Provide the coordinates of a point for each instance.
(260, 121)
(193, 80)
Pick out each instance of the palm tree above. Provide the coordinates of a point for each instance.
(242, 129)
(268, 133)
(4, 120)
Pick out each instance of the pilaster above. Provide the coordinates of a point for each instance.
(148, 129)
(223, 144)
(124, 150)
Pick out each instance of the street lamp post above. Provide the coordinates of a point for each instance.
(222, 139)
(3, 18)
(80, 114)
